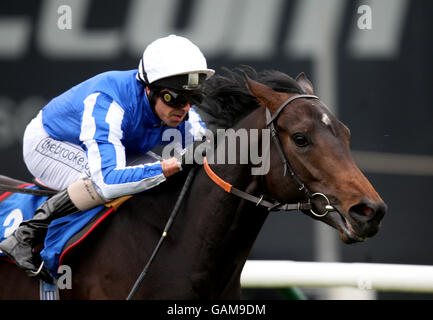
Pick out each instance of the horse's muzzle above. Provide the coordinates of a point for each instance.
(366, 217)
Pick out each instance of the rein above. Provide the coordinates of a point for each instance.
(5, 187)
(275, 206)
(167, 227)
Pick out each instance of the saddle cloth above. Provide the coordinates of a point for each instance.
(63, 234)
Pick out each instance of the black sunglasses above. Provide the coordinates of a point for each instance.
(178, 100)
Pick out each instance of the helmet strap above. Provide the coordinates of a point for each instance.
(152, 98)
(145, 79)
(152, 92)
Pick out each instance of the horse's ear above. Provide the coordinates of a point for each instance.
(265, 95)
(305, 84)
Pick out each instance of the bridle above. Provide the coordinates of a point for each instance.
(272, 206)
(276, 206)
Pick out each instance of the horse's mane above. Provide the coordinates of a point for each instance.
(227, 99)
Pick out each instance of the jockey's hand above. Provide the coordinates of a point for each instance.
(193, 155)
(170, 167)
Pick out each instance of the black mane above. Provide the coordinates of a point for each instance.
(227, 99)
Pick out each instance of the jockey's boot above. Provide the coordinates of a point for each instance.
(30, 233)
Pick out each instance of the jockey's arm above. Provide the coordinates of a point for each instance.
(101, 134)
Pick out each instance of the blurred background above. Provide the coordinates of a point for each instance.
(370, 62)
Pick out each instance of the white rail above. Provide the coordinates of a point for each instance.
(368, 276)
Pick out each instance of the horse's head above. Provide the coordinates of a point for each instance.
(317, 146)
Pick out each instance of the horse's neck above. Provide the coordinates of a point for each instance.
(226, 225)
(226, 228)
(228, 211)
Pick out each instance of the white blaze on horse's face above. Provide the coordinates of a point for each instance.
(326, 120)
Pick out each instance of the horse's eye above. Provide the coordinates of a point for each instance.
(300, 140)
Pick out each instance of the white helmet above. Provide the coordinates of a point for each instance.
(174, 56)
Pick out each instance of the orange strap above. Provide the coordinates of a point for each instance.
(116, 203)
(272, 206)
(226, 186)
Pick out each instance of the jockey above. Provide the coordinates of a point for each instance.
(79, 141)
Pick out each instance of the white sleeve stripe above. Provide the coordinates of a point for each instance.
(114, 119)
(118, 190)
(88, 129)
(194, 129)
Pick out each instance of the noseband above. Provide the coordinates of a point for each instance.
(276, 206)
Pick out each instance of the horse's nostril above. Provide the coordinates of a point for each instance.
(364, 211)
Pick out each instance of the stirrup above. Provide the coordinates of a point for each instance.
(41, 274)
(32, 273)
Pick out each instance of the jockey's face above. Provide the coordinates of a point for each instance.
(171, 116)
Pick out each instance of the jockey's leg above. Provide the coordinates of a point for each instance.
(58, 165)
(81, 195)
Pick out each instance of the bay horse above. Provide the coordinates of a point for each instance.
(205, 251)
